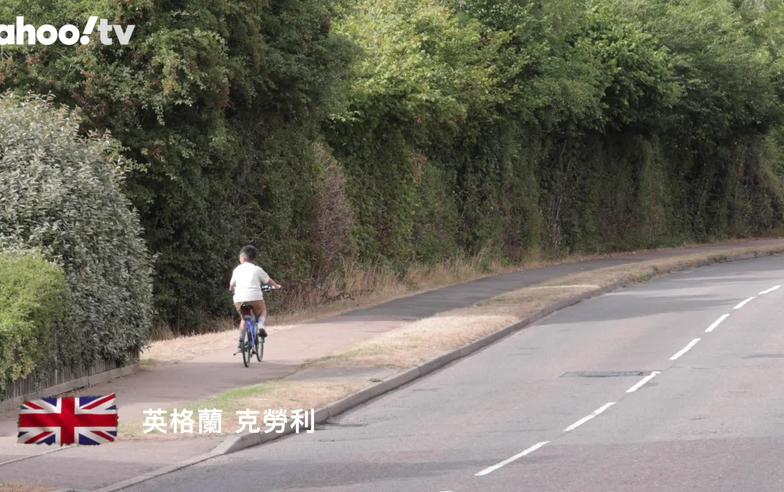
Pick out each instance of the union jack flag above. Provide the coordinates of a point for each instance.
(69, 420)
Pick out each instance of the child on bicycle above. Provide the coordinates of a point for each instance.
(245, 284)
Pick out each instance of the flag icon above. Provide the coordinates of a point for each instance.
(86, 420)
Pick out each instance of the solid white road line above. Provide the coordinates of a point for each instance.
(716, 323)
(744, 302)
(642, 382)
(768, 291)
(491, 469)
(685, 349)
(585, 419)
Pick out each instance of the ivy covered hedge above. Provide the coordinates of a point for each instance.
(60, 195)
(33, 305)
(569, 127)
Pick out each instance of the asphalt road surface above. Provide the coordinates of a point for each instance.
(651, 388)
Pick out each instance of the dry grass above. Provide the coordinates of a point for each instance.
(355, 286)
(359, 287)
(428, 338)
(17, 487)
(278, 394)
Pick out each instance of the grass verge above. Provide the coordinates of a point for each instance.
(18, 487)
(428, 338)
(276, 394)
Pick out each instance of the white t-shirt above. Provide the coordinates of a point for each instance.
(246, 280)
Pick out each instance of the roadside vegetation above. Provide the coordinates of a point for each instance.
(379, 137)
(75, 275)
(32, 298)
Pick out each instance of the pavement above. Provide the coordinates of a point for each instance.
(612, 394)
(167, 385)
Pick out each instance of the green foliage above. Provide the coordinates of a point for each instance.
(219, 102)
(60, 194)
(421, 65)
(399, 131)
(33, 297)
(603, 125)
(727, 77)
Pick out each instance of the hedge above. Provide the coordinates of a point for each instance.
(60, 194)
(448, 128)
(33, 301)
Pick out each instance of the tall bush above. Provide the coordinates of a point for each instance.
(60, 194)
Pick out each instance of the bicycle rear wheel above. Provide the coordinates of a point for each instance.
(253, 337)
(259, 348)
(245, 349)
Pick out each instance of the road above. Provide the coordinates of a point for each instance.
(610, 394)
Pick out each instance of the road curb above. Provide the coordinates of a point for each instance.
(236, 443)
(158, 472)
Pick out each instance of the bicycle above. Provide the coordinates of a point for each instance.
(252, 344)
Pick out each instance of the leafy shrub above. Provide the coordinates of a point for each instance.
(60, 194)
(32, 302)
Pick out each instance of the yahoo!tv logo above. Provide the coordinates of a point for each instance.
(20, 33)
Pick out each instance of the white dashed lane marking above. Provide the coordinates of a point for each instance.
(592, 415)
(716, 323)
(744, 302)
(685, 349)
(491, 469)
(643, 381)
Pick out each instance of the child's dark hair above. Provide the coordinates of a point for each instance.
(249, 252)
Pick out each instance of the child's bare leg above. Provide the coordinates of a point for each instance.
(242, 330)
(261, 317)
